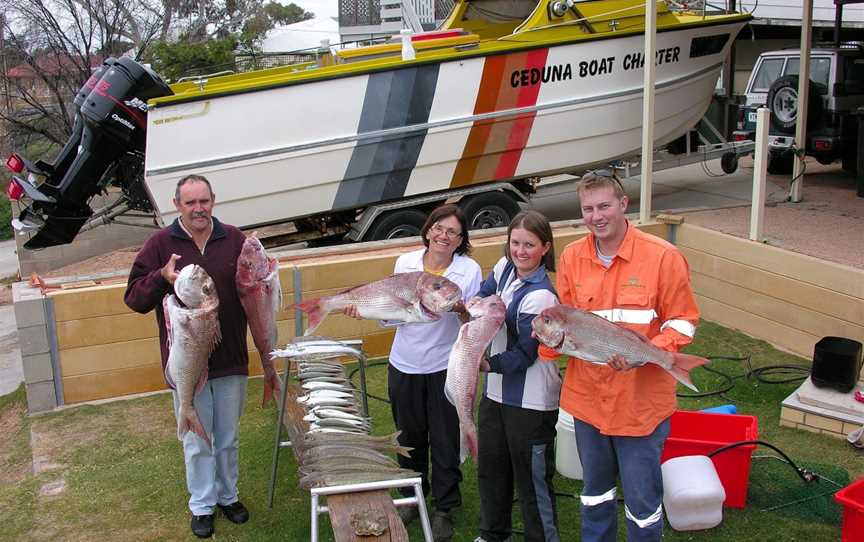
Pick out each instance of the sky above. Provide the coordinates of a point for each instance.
(321, 8)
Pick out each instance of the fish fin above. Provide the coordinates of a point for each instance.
(168, 379)
(403, 451)
(202, 380)
(314, 313)
(682, 364)
(448, 395)
(274, 269)
(166, 313)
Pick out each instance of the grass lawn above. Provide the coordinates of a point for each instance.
(123, 468)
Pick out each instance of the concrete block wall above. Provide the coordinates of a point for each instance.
(36, 339)
(799, 418)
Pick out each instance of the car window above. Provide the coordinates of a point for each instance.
(820, 68)
(769, 71)
(853, 77)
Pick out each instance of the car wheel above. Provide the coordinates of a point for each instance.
(397, 224)
(782, 101)
(489, 210)
(780, 163)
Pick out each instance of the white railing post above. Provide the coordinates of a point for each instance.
(760, 166)
(647, 173)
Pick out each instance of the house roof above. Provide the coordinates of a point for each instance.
(50, 65)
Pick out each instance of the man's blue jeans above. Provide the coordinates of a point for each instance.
(211, 474)
(637, 461)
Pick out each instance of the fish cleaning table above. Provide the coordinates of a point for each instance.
(357, 508)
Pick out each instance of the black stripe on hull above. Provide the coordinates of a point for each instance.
(379, 168)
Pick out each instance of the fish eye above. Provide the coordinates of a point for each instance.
(436, 286)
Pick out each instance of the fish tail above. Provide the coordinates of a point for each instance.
(468, 442)
(188, 421)
(682, 364)
(315, 313)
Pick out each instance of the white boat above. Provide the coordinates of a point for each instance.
(503, 91)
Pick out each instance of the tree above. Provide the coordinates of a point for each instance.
(50, 47)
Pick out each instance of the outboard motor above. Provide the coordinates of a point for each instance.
(111, 124)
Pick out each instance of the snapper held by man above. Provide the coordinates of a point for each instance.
(586, 336)
(463, 367)
(257, 280)
(192, 324)
(406, 297)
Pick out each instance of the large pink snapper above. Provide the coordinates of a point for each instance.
(463, 368)
(193, 332)
(406, 297)
(260, 293)
(587, 336)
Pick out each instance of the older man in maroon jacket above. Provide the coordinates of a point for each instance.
(197, 237)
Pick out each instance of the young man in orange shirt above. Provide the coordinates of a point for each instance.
(621, 417)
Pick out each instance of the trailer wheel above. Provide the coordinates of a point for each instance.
(729, 163)
(489, 210)
(397, 224)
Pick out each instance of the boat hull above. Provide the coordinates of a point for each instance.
(342, 143)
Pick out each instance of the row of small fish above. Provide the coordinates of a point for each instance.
(336, 448)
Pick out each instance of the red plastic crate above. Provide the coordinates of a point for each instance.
(700, 433)
(852, 499)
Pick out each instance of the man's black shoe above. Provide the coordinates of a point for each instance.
(235, 512)
(202, 526)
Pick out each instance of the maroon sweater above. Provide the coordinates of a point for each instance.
(147, 287)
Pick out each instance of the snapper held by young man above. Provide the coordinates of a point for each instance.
(192, 323)
(463, 367)
(257, 280)
(406, 297)
(586, 336)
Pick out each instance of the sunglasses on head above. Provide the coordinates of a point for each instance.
(607, 173)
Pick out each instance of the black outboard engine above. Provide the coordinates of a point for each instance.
(111, 124)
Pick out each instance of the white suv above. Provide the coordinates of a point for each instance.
(836, 92)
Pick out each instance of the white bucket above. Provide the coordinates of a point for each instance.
(567, 461)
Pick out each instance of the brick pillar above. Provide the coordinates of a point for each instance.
(36, 339)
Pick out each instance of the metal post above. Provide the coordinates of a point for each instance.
(838, 22)
(277, 439)
(647, 173)
(760, 165)
(803, 97)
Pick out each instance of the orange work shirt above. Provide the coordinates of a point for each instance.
(647, 289)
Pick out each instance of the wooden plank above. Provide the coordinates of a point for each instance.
(344, 505)
(346, 273)
(89, 387)
(833, 276)
(108, 357)
(816, 298)
(88, 302)
(770, 308)
(98, 330)
(779, 335)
